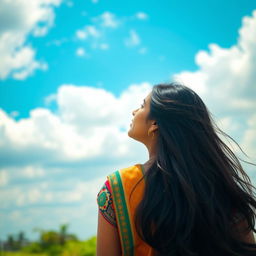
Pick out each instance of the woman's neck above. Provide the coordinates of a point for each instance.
(147, 164)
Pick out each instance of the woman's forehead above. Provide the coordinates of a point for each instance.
(147, 98)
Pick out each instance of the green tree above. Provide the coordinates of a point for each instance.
(11, 244)
(63, 233)
(21, 239)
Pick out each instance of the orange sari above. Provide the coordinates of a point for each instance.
(122, 183)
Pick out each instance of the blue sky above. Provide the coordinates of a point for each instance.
(172, 34)
(70, 75)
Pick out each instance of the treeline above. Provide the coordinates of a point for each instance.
(50, 243)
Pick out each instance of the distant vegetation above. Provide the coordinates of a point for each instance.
(50, 243)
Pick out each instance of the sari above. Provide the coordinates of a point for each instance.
(122, 182)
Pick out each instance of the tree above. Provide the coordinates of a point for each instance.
(21, 239)
(10, 243)
(63, 233)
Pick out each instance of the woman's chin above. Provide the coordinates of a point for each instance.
(130, 132)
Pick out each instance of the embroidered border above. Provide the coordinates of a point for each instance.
(105, 202)
(122, 215)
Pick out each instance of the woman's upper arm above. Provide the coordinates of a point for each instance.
(246, 236)
(108, 243)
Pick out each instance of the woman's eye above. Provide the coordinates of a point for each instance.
(141, 105)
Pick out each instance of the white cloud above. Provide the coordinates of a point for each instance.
(17, 21)
(91, 30)
(14, 114)
(4, 178)
(88, 31)
(81, 34)
(97, 31)
(133, 39)
(81, 52)
(54, 190)
(108, 19)
(141, 15)
(104, 46)
(249, 138)
(86, 125)
(32, 172)
(227, 74)
(50, 99)
(225, 80)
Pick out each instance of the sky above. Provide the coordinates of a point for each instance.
(71, 72)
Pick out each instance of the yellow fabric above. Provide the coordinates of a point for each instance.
(130, 176)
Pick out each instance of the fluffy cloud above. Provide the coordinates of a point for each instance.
(96, 32)
(108, 19)
(227, 74)
(72, 201)
(225, 80)
(18, 19)
(133, 39)
(87, 124)
(141, 15)
(4, 177)
(87, 31)
(249, 137)
(70, 191)
(81, 52)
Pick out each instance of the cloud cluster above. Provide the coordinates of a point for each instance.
(141, 15)
(96, 32)
(18, 20)
(225, 80)
(133, 39)
(227, 74)
(87, 124)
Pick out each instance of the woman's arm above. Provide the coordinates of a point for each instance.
(245, 236)
(108, 242)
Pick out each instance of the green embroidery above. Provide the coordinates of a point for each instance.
(102, 198)
(122, 215)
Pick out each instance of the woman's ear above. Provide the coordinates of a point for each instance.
(154, 126)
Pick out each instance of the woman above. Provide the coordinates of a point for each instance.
(192, 197)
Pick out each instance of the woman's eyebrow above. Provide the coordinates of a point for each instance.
(144, 101)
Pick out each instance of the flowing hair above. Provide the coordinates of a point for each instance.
(196, 190)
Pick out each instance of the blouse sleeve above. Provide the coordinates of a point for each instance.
(105, 204)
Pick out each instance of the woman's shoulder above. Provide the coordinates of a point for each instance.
(131, 172)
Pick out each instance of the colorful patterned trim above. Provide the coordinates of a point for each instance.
(122, 215)
(105, 203)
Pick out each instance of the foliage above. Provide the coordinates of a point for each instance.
(21, 254)
(86, 248)
(50, 243)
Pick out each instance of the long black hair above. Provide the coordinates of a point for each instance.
(196, 189)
